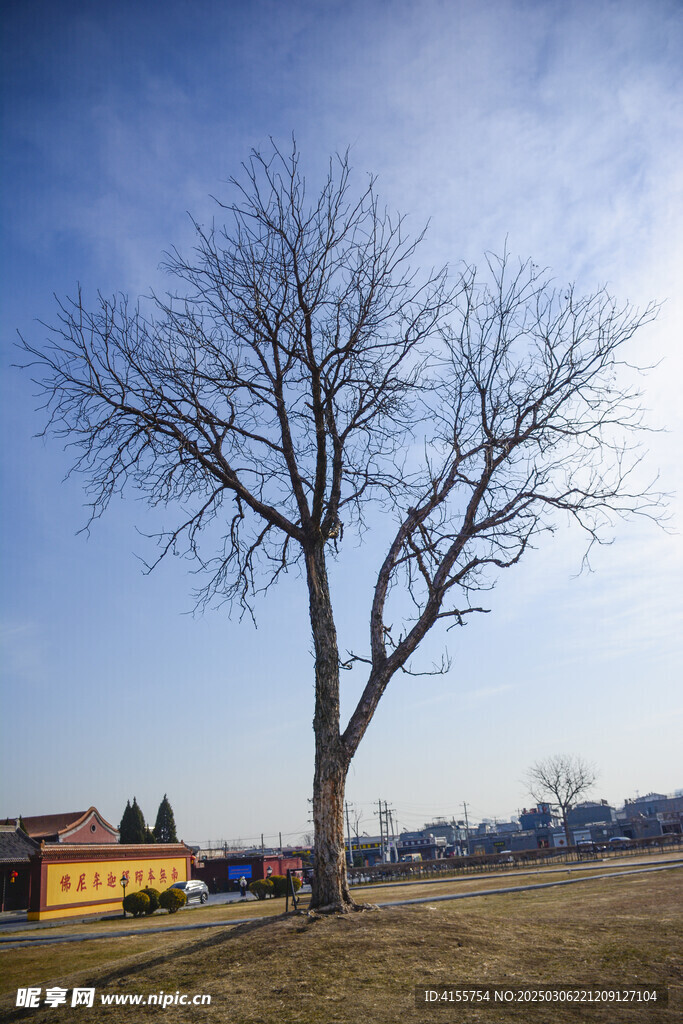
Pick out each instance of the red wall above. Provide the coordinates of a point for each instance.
(90, 832)
(217, 868)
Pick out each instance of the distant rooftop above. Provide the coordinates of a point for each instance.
(646, 799)
(15, 845)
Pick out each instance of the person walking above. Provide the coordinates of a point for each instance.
(243, 887)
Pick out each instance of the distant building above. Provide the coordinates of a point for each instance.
(540, 817)
(71, 827)
(640, 827)
(429, 846)
(16, 850)
(558, 839)
(222, 874)
(485, 828)
(366, 850)
(655, 807)
(591, 813)
(454, 832)
(651, 804)
(671, 822)
(505, 827)
(487, 844)
(528, 839)
(445, 829)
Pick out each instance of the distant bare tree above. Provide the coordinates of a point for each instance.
(354, 819)
(304, 377)
(561, 780)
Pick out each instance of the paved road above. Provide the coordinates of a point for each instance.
(17, 920)
(13, 920)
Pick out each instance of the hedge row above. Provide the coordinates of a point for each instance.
(146, 901)
(275, 886)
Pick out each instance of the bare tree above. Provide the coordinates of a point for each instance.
(354, 820)
(562, 779)
(305, 376)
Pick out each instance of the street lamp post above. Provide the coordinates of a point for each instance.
(124, 883)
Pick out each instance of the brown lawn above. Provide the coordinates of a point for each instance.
(364, 967)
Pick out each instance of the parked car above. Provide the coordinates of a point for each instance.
(195, 890)
(618, 841)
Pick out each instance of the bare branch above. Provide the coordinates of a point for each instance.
(562, 779)
(303, 381)
(528, 415)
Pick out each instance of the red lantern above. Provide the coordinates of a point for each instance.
(13, 875)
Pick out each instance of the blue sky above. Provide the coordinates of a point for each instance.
(555, 125)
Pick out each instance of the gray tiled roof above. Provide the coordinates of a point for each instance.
(15, 846)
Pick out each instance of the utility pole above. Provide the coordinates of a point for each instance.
(381, 831)
(393, 834)
(457, 844)
(467, 828)
(280, 835)
(348, 833)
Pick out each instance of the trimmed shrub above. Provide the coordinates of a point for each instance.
(153, 899)
(280, 884)
(136, 903)
(172, 900)
(261, 888)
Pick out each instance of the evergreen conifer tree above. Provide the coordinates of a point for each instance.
(132, 828)
(125, 826)
(140, 829)
(164, 830)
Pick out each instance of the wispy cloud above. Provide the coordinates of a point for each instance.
(463, 698)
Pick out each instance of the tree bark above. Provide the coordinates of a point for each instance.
(330, 887)
(567, 830)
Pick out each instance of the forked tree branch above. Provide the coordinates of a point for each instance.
(303, 380)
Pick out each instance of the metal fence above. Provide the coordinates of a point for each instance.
(508, 861)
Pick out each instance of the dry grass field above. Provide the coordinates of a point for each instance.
(384, 893)
(364, 967)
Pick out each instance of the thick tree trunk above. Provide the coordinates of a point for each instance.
(567, 830)
(330, 888)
